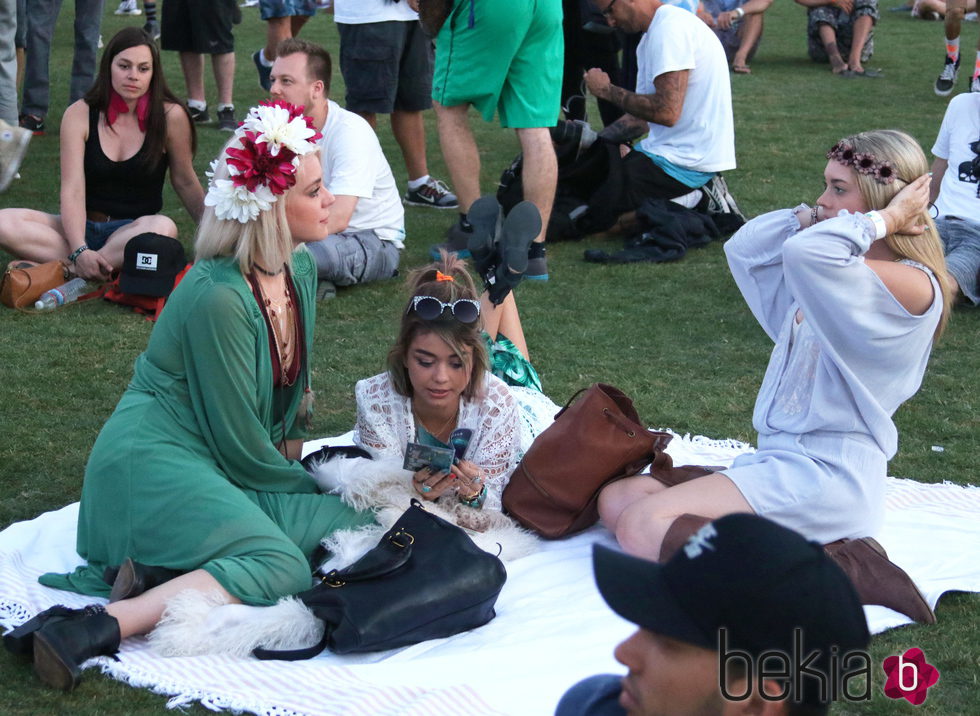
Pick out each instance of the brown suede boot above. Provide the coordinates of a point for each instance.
(679, 532)
(878, 580)
(663, 471)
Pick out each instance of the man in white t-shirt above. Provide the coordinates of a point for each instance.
(367, 220)
(682, 102)
(955, 190)
(386, 61)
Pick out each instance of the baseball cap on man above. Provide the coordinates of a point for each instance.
(757, 580)
(151, 263)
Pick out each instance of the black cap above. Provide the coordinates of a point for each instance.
(151, 263)
(746, 574)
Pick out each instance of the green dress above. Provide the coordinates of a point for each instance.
(185, 473)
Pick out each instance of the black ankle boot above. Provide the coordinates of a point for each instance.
(63, 644)
(20, 641)
(133, 578)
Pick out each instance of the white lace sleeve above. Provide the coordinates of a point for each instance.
(496, 443)
(381, 426)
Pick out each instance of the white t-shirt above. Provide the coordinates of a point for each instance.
(358, 12)
(354, 165)
(960, 128)
(704, 136)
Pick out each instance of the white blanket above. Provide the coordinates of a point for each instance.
(552, 627)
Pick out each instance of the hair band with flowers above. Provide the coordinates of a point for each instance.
(262, 162)
(865, 163)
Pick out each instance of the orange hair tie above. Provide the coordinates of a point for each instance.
(440, 276)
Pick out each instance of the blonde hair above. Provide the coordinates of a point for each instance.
(909, 161)
(265, 239)
(457, 335)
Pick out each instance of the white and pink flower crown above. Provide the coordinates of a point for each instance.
(262, 162)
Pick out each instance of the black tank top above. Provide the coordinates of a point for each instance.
(123, 190)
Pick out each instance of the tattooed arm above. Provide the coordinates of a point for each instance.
(663, 107)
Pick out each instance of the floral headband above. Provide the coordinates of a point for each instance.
(866, 163)
(262, 164)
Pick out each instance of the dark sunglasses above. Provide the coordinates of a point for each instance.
(429, 308)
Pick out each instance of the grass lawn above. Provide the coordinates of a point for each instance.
(677, 337)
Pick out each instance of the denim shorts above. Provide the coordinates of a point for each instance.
(286, 8)
(98, 232)
(961, 243)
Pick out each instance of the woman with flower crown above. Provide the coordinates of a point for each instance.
(194, 481)
(117, 144)
(853, 291)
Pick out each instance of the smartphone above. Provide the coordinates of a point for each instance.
(437, 459)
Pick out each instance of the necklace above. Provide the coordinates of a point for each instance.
(266, 271)
(279, 316)
(451, 421)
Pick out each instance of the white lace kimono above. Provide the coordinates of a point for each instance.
(504, 420)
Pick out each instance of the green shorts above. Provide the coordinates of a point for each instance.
(509, 61)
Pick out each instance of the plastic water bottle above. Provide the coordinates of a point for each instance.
(66, 293)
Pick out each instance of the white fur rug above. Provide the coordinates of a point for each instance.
(552, 627)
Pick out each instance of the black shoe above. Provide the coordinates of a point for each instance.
(947, 78)
(457, 241)
(133, 578)
(484, 217)
(63, 644)
(152, 28)
(20, 640)
(226, 119)
(265, 73)
(199, 116)
(518, 230)
(32, 122)
(537, 263)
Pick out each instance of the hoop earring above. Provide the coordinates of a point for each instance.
(933, 207)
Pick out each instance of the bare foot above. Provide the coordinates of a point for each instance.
(838, 66)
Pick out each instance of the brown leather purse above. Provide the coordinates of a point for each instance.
(24, 281)
(594, 441)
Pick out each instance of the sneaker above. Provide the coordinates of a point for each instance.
(265, 73)
(457, 241)
(199, 116)
(152, 28)
(720, 200)
(128, 7)
(975, 84)
(433, 193)
(226, 119)
(13, 146)
(249, 3)
(325, 290)
(947, 78)
(537, 263)
(32, 122)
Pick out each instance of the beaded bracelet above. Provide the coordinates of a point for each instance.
(477, 501)
(77, 252)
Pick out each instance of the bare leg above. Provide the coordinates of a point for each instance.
(32, 235)
(192, 65)
(409, 131)
(223, 66)
(140, 614)
(297, 22)
(277, 29)
(504, 319)
(829, 39)
(749, 33)
(116, 244)
(461, 154)
(640, 525)
(369, 117)
(955, 9)
(540, 172)
(862, 28)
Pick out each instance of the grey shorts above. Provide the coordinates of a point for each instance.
(961, 244)
(843, 25)
(354, 257)
(200, 27)
(386, 66)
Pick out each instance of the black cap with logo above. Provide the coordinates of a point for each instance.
(151, 263)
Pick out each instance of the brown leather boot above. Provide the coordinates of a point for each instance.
(133, 578)
(663, 471)
(878, 580)
(679, 532)
(64, 643)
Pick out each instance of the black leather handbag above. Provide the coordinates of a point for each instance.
(425, 579)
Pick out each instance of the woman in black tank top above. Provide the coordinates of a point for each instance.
(116, 146)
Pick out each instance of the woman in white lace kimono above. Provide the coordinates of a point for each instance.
(443, 375)
(852, 291)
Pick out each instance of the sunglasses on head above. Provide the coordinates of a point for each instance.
(429, 308)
